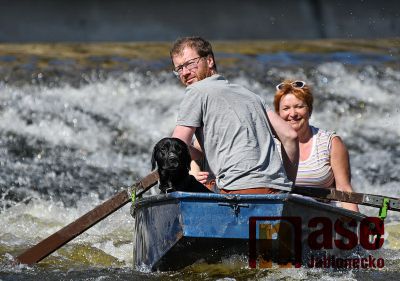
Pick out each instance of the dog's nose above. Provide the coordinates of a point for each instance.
(173, 159)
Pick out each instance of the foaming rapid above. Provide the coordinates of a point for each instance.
(65, 142)
(107, 244)
(65, 149)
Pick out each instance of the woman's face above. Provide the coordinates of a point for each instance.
(294, 111)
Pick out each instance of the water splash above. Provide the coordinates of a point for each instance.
(65, 149)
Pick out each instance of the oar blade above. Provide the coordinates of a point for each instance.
(69, 232)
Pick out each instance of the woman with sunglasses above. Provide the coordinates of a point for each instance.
(324, 160)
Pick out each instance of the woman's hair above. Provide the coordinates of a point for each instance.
(289, 87)
(202, 47)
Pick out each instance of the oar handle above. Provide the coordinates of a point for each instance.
(72, 230)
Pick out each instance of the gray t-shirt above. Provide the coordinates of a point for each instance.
(234, 133)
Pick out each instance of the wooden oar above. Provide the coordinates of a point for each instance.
(373, 200)
(69, 232)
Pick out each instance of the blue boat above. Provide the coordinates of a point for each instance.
(175, 230)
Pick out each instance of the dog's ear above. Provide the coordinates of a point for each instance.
(187, 157)
(153, 158)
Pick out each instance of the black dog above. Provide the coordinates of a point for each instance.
(172, 158)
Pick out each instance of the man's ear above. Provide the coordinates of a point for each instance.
(210, 62)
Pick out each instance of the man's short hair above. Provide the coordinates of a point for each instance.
(202, 47)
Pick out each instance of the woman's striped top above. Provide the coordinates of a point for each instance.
(316, 170)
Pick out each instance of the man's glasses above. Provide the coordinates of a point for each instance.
(189, 65)
(295, 84)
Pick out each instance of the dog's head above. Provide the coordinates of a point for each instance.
(172, 158)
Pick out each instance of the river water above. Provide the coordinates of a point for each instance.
(78, 122)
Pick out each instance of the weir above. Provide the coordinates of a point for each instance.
(158, 20)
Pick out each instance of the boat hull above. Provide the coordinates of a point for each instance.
(177, 229)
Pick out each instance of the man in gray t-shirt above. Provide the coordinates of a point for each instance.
(234, 126)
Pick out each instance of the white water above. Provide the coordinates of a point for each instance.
(65, 117)
(100, 137)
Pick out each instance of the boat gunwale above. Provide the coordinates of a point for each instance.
(237, 198)
(180, 196)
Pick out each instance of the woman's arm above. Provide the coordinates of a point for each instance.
(341, 169)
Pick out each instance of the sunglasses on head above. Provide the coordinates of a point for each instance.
(295, 84)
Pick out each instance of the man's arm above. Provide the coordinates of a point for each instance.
(186, 134)
(290, 144)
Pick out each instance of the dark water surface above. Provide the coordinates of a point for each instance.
(77, 123)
